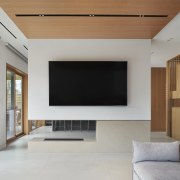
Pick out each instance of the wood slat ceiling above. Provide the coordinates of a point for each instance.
(73, 27)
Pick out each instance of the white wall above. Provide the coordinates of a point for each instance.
(6, 56)
(136, 52)
(164, 51)
(7, 37)
(166, 44)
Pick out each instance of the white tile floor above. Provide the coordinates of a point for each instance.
(18, 164)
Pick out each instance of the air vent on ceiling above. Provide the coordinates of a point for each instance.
(91, 15)
(14, 50)
(7, 30)
(25, 47)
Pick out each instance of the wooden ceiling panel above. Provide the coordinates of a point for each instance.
(91, 27)
(86, 6)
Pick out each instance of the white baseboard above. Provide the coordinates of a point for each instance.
(3, 146)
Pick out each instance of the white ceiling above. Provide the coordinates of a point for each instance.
(166, 44)
(6, 37)
(171, 30)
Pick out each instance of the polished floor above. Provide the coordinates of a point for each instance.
(18, 164)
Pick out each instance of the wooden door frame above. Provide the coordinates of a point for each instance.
(23, 75)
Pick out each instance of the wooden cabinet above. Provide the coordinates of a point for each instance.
(158, 99)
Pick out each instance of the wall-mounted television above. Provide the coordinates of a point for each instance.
(87, 83)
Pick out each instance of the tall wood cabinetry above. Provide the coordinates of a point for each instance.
(158, 99)
(173, 97)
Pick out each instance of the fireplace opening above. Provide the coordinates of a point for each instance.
(74, 125)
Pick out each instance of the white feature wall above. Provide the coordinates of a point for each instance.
(6, 56)
(136, 52)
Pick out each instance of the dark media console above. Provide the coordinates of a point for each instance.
(71, 125)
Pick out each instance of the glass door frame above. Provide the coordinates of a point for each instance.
(20, 73)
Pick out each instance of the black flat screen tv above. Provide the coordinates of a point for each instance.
(87, 83)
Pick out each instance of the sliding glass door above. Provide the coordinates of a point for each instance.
(14, 105)
(10, 105)
(19, 104)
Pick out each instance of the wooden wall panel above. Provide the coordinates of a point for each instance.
(176, 91)
(176, 106)
(176, 123)
(158, 99)
(173, 96)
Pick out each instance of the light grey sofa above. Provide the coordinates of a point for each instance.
(156, 161)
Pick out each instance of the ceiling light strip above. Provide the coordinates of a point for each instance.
(8, 30)
(25, 47)
(90, 15)
(156, 16)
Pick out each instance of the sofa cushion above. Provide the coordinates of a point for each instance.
(151, 170)
(149, 151)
